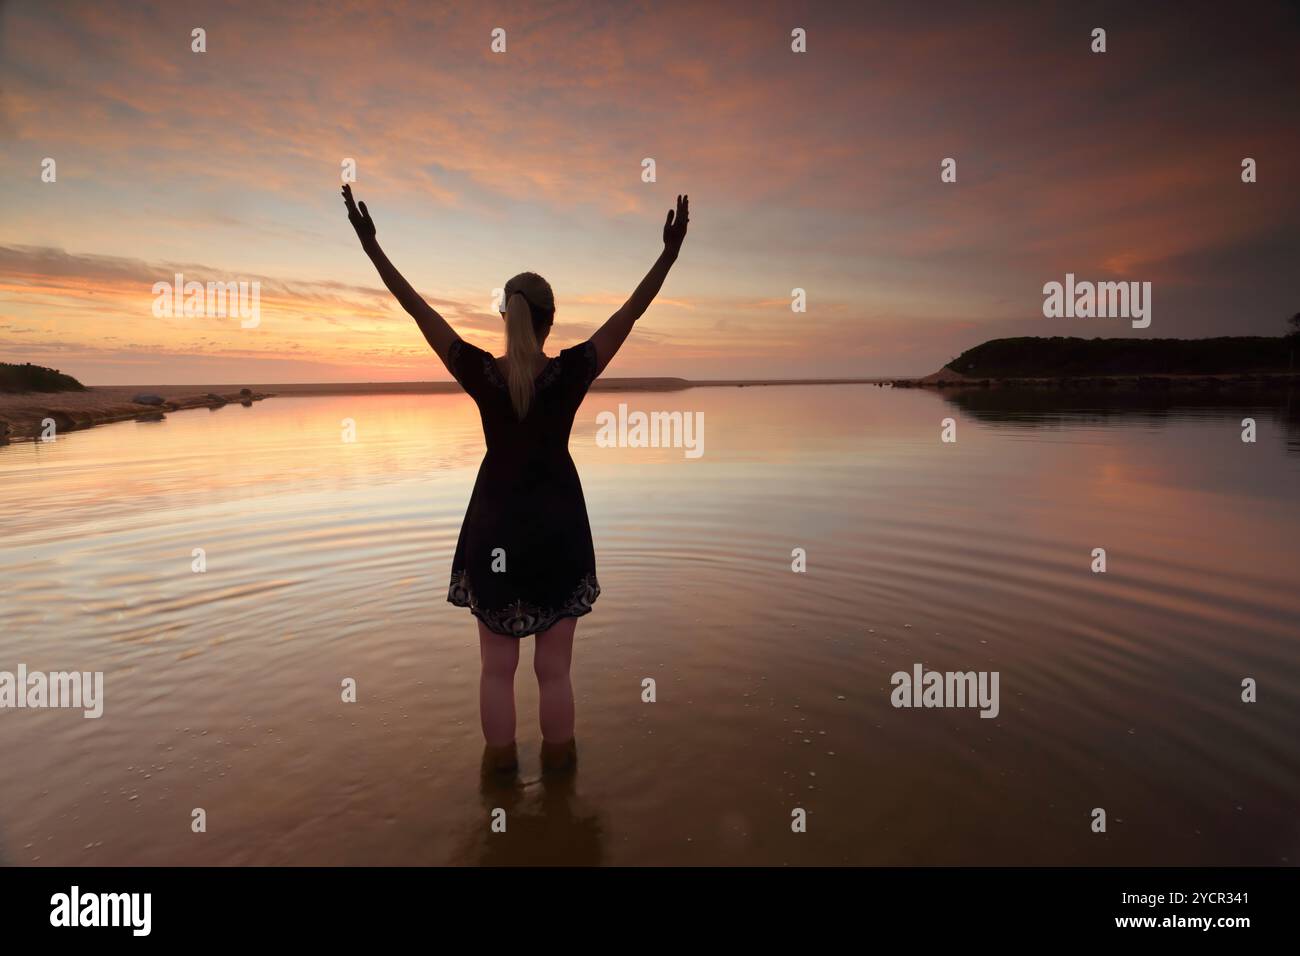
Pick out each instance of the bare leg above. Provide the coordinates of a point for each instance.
(551, 660)
(496, 686)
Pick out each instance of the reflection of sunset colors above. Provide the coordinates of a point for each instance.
(816, 170)
(328, 558)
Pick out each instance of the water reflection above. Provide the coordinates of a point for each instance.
(328, 559)
(547, 824)
(1044, 406)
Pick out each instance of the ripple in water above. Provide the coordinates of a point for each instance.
(327, 561)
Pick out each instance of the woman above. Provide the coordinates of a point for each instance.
(524, 563)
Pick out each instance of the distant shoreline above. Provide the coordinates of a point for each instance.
(23, 415)
(947, 379)
(648, 384)
(1210, 366)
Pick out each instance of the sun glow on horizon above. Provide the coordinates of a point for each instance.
(817, 170)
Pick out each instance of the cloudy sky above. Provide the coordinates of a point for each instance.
(817, 170)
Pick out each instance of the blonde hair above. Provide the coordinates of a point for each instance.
(529, 311)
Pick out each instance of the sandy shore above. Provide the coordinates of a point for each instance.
(22, 414)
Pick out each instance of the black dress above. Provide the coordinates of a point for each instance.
(524, 559)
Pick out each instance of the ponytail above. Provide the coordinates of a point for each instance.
(529, 310)
(521, 351)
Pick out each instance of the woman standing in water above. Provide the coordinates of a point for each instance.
(524, 563)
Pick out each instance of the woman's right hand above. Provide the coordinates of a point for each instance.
(360, 218)
(675, 226)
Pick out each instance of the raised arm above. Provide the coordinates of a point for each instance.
(436, 331)
(610, 336)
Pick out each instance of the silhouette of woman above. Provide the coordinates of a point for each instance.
(524, 562)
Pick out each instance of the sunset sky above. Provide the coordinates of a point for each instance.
(817, 170)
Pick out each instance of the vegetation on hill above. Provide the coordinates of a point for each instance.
(36, 378)
(1059, 357)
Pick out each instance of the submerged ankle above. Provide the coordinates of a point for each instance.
(562, 755)
(500, 757)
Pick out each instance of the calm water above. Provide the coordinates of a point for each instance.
(328, 560)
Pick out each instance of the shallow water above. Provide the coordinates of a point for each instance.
(328, 560)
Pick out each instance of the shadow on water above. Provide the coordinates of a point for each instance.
(547, 824)
(1034, 407)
